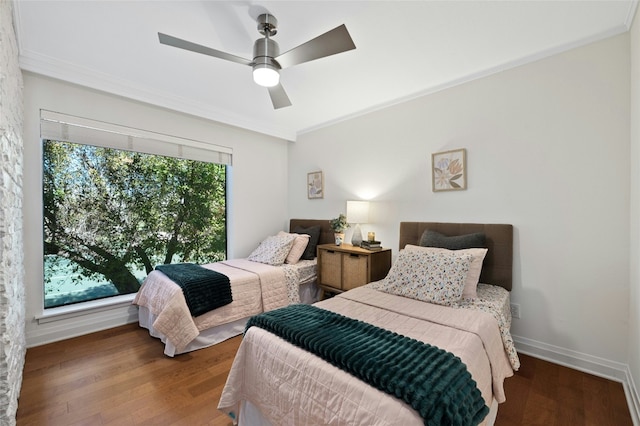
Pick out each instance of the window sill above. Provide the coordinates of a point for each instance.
(80, 309)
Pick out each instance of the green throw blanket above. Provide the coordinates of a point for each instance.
(203, 289)
(434, 382)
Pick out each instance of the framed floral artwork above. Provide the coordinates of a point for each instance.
(315, 185)
(449, 170)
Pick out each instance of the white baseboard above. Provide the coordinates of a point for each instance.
(633, 397)
(600, 367)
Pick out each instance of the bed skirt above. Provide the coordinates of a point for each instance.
(309, 293)
(250, 415)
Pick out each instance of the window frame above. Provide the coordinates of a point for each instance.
(68, 128)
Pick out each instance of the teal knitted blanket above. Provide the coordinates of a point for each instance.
(432, 381)
(204, 290)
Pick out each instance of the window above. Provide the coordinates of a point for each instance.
(112, 214)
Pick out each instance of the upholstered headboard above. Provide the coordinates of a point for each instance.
(497, 268)
(326, 234)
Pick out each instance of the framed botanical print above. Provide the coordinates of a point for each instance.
(449, 170)
(315, 185)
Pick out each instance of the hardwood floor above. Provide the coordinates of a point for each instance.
(543, 393)
(121, 377)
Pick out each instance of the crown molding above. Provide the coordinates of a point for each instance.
(477, 75)
(71, 73)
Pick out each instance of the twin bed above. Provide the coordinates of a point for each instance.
(314, 377)
(256, 287)
(275, 382)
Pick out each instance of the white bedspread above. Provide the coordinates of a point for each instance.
(255, 288)
(293, 387)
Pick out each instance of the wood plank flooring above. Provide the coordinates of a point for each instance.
(543, 393)
(121, 377)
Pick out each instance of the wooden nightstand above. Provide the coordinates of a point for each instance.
(341, 268)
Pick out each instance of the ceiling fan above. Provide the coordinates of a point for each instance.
(267, 60)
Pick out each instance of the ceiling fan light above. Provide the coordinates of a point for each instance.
(265, 75)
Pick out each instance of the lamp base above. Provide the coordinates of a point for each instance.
(356, 238)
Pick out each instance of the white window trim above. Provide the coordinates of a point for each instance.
(69, 128)
(84, 308)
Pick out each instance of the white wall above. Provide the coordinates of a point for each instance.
(634, 299)
(547, 151)
(258, 185)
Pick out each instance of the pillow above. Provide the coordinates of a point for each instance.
(475, 267)
(435, 239)
(273, 250)
(431, 276)
(314, 233)
(297, 249)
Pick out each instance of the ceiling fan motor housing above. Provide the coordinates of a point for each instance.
(264, 50)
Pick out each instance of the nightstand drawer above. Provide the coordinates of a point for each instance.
(331, 269)
(355, 270)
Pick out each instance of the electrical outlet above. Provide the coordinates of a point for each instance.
(515, 310)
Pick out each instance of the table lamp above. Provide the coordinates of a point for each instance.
(357, 213)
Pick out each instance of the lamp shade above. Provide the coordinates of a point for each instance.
(357, 211)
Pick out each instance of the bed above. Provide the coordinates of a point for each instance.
(275, 382)
(255, 287)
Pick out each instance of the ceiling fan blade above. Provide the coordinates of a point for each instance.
(334, 41)
(279, 97)
(198, 48)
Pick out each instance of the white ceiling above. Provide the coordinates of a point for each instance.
(404, 49)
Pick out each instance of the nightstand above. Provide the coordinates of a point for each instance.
(341, 268)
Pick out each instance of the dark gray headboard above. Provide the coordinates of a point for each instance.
(326, 235)
(497, 268)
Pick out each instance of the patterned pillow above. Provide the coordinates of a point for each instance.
(475, 268)
(297, 249)
(430, 276)
(273, 250)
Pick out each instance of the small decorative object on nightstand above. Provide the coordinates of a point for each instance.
(339, 224)
(345, 267)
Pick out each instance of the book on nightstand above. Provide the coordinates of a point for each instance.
(371, 245)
